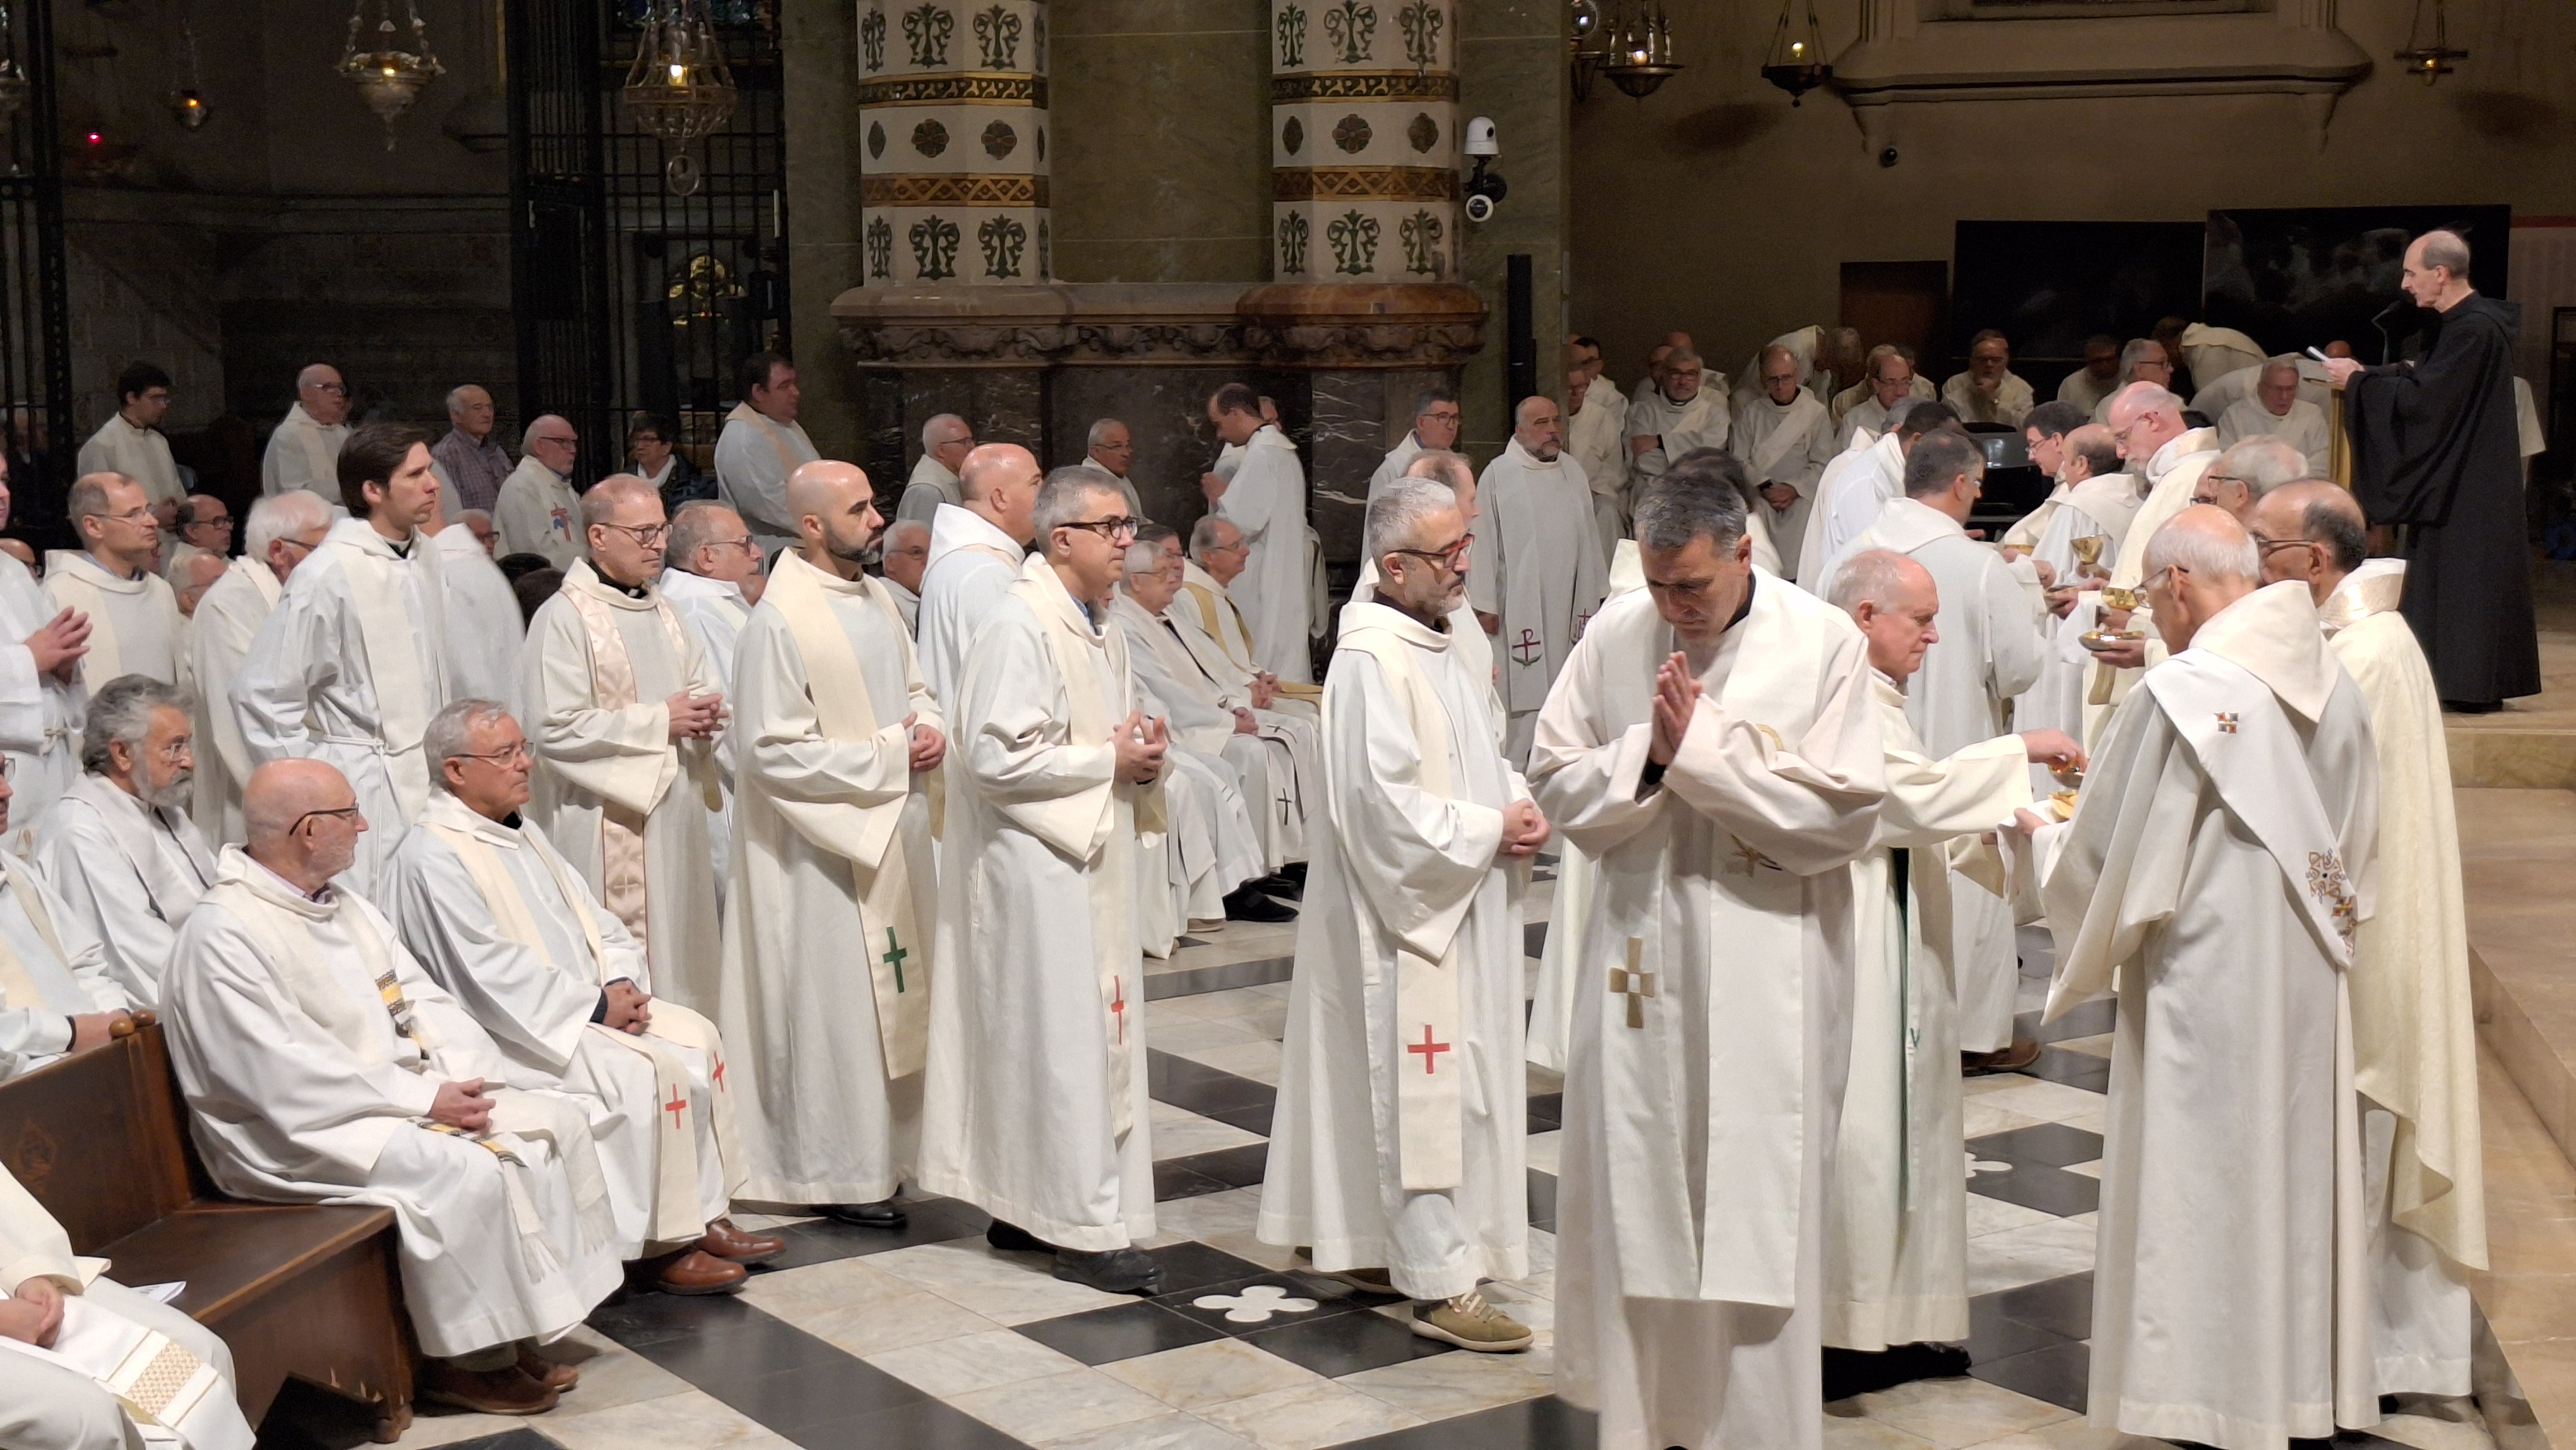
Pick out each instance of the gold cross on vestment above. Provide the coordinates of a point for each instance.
(1746, 859)
(1633, 981)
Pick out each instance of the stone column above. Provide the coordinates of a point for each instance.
(953, 120)
(1364, 141)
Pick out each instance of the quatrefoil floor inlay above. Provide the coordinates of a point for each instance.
(1255, 1304)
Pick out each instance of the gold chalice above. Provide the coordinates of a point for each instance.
(2088, 553)
(2117, 598)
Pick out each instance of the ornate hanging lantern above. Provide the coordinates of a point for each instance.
(188, 103)
(389, 79)
(1585, 44)
(1796, 60)
(2428, 51)
(680, 88)
(1641, 49)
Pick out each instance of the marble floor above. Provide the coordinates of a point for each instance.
(929, 1338)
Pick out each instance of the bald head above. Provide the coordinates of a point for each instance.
(2144, 418)
(836, 516)
(1000, 482)
(606, 497)
(2090, 453)
(822, 487)
(302, 821)
(2319, 514)
(322, 394)
(1896, 604)
(1452, 469)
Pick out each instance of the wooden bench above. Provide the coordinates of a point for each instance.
(313, 1292)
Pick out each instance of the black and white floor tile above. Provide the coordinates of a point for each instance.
(928, 1339)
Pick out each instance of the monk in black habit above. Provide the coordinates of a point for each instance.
(2435, 448)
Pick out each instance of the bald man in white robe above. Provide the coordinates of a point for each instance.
(1785, 435)
(304, 451)
(1532, 503)
(283, 532)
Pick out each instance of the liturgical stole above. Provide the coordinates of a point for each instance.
(624, 881)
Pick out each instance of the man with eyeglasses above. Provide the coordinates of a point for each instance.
(282, 533)
(625, 713)
(1682, 413)
(711, 578)
(135, 624)
(1034, 1106)
(131, 441)
(538, 506)
(1548, 577)
(1988, 391)
(2275, 409)
(902, 558)
(304, 451)
(1398, 1153)
(1785, 435)
(937, 477)
(831, 970)
(2246, 472)
(1110, 446)
(119, 846)
(1436, 420)
(2413, 1022)
(2168, 456)
(204, 525)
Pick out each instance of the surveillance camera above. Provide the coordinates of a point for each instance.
(1480, 208)
(1481, 140)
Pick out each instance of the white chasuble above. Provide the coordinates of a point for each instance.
(1034, 1106)
(1545, 577)
(1786, 445)
(1896, 1239)
(622, 802)
(2218, 863)
(754, 455)
(219, 635)
(311, 1047)
(1401, 1135)
(714, 612)
(1855, 488)
(130, 873)
(1551, 1017)
(52, 968)
(972, 564)
(135, 627)
(829, 954)
(485, 628)
(348, 669)
(1267, 502)
(1711, 1026)
(2171, 476)
(2414, 1025)
(40, 714)
(503, 922)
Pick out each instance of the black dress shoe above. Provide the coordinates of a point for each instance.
(1248, 904)
(866, 1215)
(1118, 1271)
(1011, 1238)
(1295, 871)
(1280, 884)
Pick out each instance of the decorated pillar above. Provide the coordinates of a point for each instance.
(1364, 141)
(953, 131)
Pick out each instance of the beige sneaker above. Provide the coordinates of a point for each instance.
(1470, 1323)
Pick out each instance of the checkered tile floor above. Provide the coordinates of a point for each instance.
(928, 1339)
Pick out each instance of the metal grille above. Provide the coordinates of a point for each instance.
(630, 298)
(35, 329)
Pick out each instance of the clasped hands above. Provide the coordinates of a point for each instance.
(33, 1313)
(1677, 693)
(695, 716)
(929, 747)
(1140, 741)
(630, 1008)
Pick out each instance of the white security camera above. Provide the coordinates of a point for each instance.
(1480, 138)
(1485, 190)
(1480, 208)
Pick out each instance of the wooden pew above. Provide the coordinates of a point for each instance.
(314, 1292)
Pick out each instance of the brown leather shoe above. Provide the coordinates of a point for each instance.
(725, 1241)
(491, 1392)
(697, 1273)
(556, 1377)
(2022, 1053)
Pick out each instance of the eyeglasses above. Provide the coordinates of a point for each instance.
(558, 442)
(1443, 415)
(2265, 546)
(1109, 528)
(175, 751)
(298, 543)
(219, 521)
(1447, 557)
(514, 755)
(130, 516)
(334, 389)
(646, 535)
(349, 812)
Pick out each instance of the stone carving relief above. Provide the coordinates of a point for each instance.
(1291, 28)
(934, 248)
(1421, 22)
(1000, 140)
(997, 34)
(1350, 28)
(927, 29)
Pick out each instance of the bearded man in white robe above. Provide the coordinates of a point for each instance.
(1396, 1170)
(538, 511)
(41, 645)
(1546, 581)
(1896, 1247)
(499, 918)
(119, 847)
(939, 477)
(1266, 501)
(711, 577)
(56, 993)
(322, 1065)
(1991, 649)
(1680, 413)
(1436, 420)
(282, 533)
(1785, 436)
(1857, 487)
(830, 956)
(304, 450)
(2169, 456)
(2217, 865)
(135, 624)
(625, 713)
(1713, 745)
(92, 1365)
(1034, 1107)
(761, 444)
(2413, 1023)
(350, 665)
(976, 549)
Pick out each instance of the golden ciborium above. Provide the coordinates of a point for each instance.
(2088, 554)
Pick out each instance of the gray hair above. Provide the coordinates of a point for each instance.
(470, 515)
(2228, 554)
(1091, 439)
(528, 434)
(1066, 492)
(928, 428)
(1203, 533)
(2448, 251)
(1939, 457)
(2136, 352)
(1394, 519)
(1872, 575)
(88, 499)
(451, 733)
(697, 525)
(2285, 363)
(1142, 558)
(456, 396)
(2264, 462)
(900, 526)
(121, 713)
(280, 515)
(1441, 465)
(1693, 499)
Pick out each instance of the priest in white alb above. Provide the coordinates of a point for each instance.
(976, 549)
(1397, 1153)
(41, 645)
(2275, 409)
(1205, 607)
(322, 1065)
(119, 847)
(761, 444)
(1679, 413)
(501, 920)
(939, 475)
(623, 718)
(485, 627)
(131, 442)
(89, 1364)
(1034, 1106)
(2216, 868)
(1896, 1239)
(350, 665)
(1436, 421)
(283, 532)
(830, 951)
(1785, 436)
(1545, 581)
(538, 511)
(2043, 434)
(56, 993)
(1714, 747)
(1859, 483)
(2095, 500)
(2168, 456)
(711, 577)
(304, 451)
(135, 624)
(1596, 429)
(1989, 391)
(2414, 1026)
(1266, 501)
